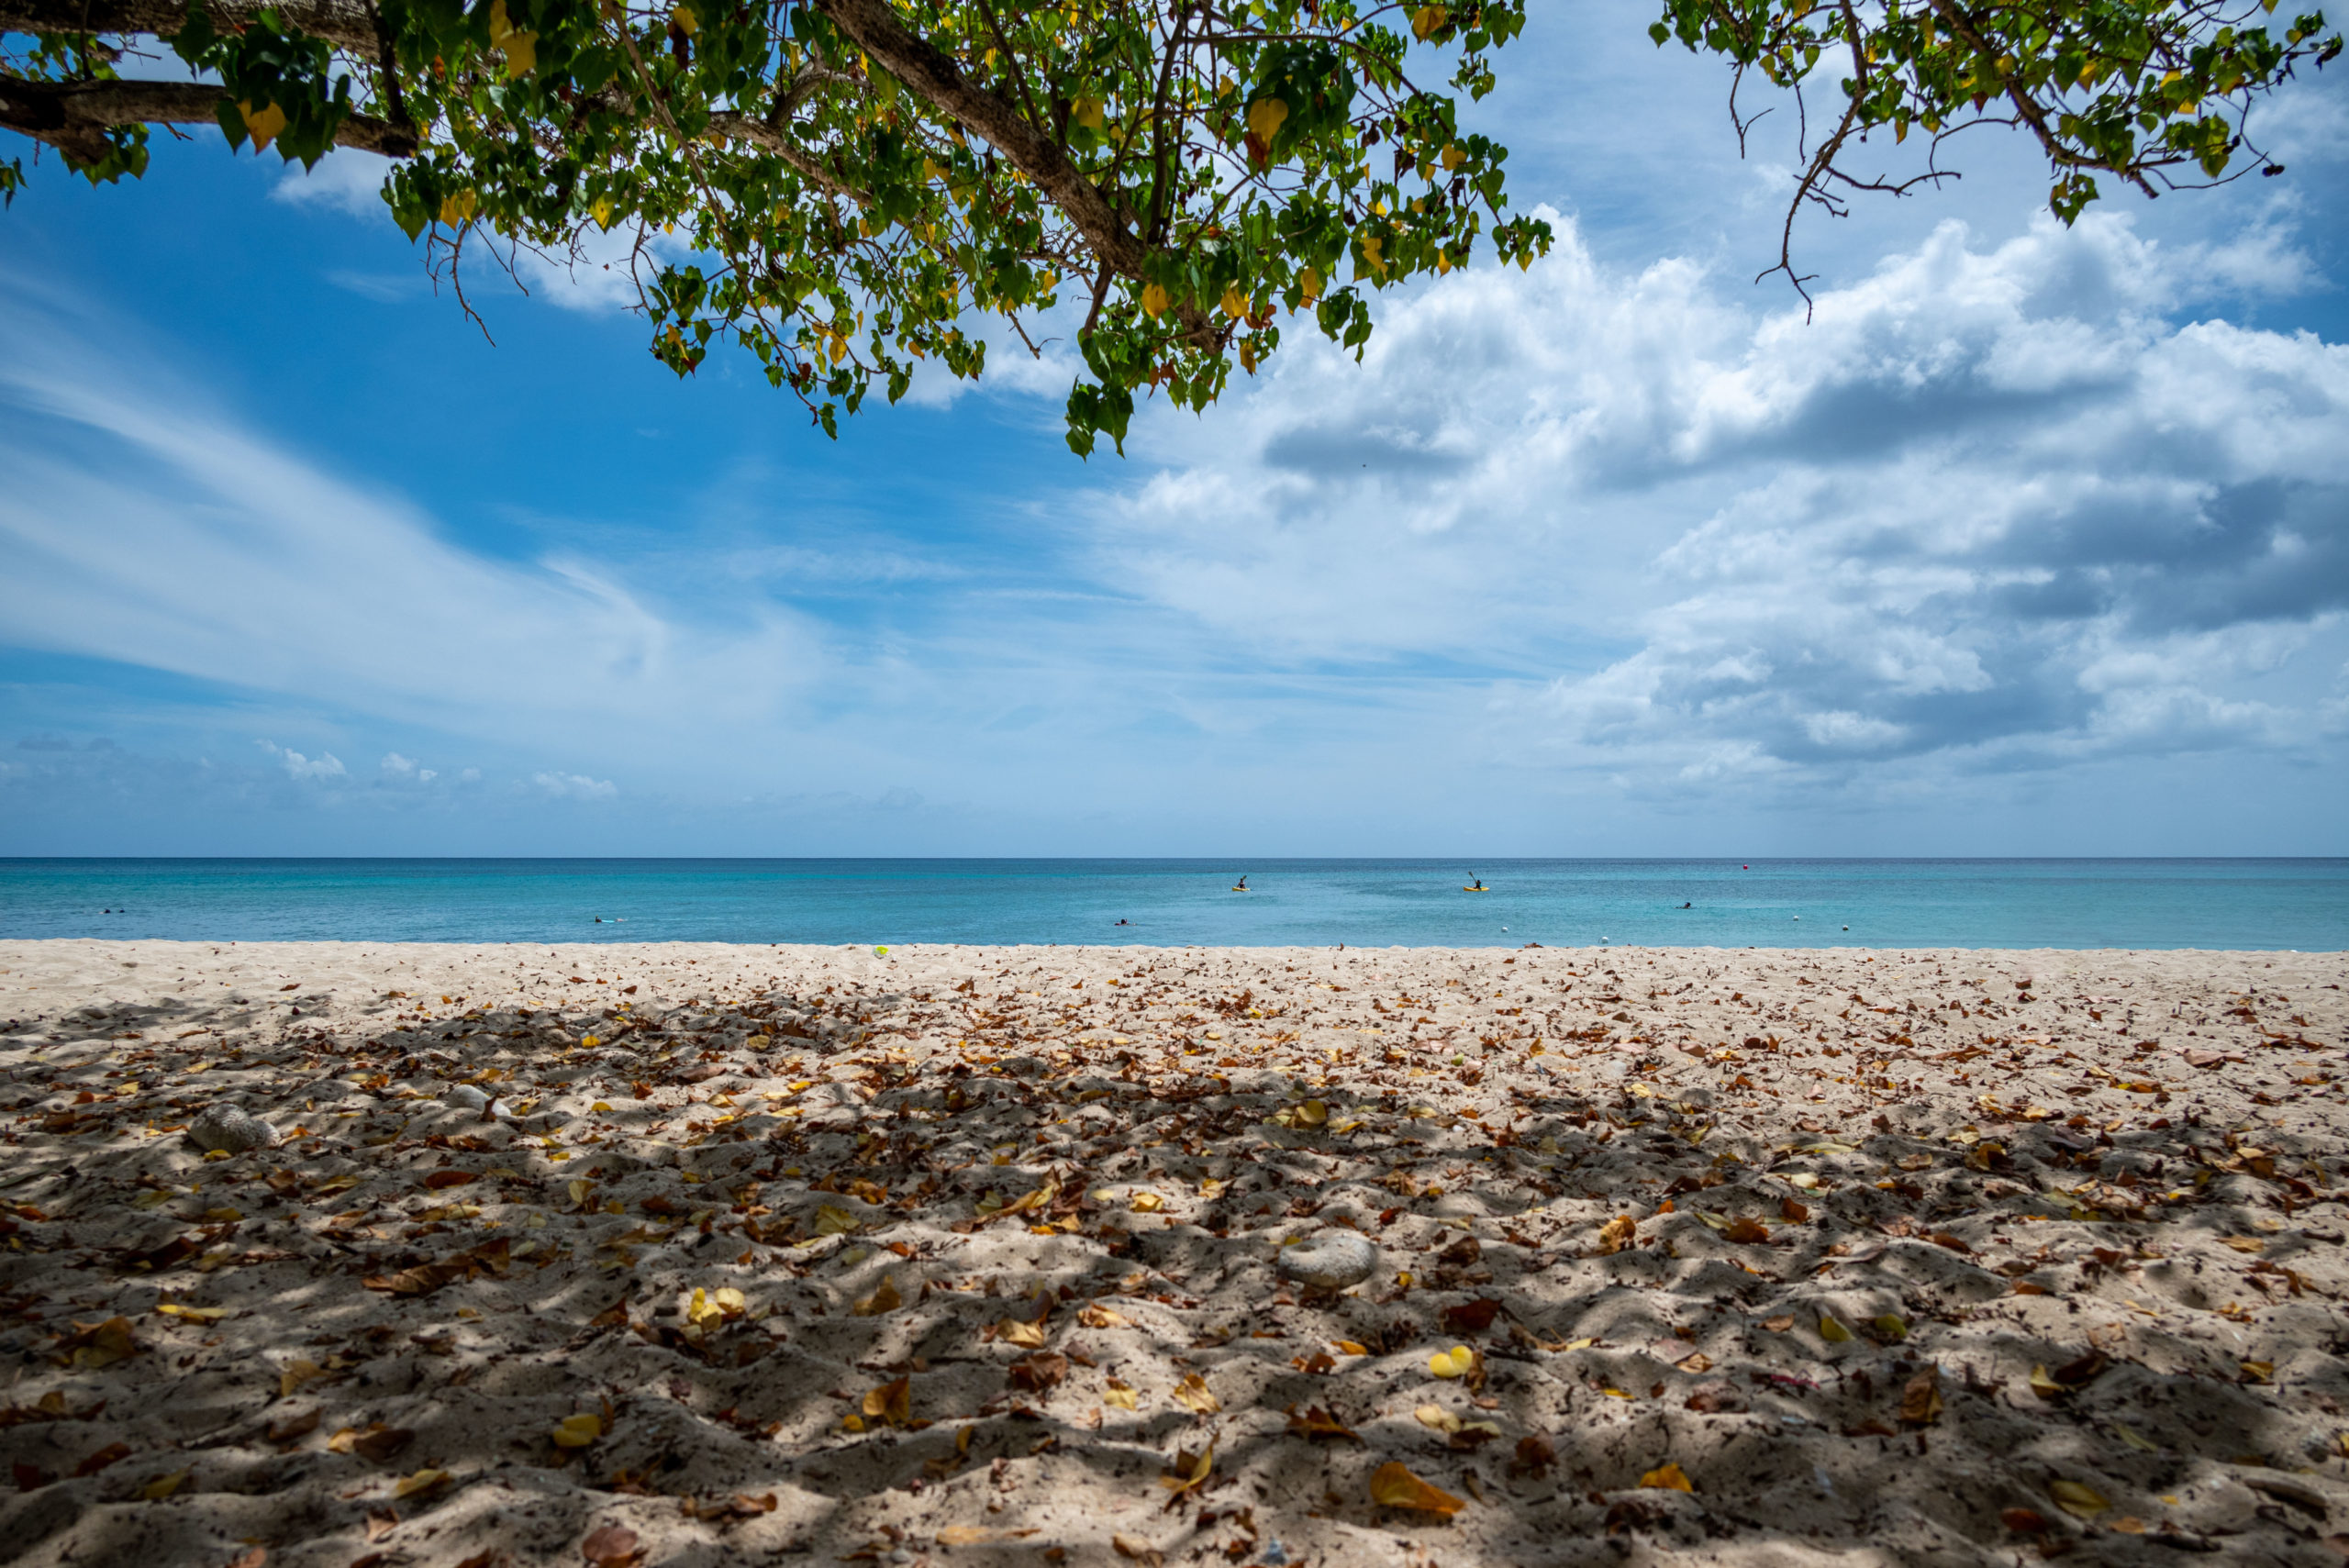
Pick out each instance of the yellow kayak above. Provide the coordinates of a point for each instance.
(1475, 890)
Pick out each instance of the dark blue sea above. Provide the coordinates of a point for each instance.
(2285, 903)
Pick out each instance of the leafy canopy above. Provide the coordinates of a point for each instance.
(843, 187)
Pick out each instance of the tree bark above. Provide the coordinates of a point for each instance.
(347, 24)
(72, 115)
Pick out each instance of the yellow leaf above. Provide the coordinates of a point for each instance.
(688, 23)
(163, 1486)
(1308, 285)
(885, 1299)
(586, 1041)
(893, 1402)
(602, 211)
(1457, 1361)
(1892, 1326)
(965, 1535)
(1667, 1477)
(456, 211)
(1265, 118)
(579, 1190)
(1235, 305)
(1154, 300)
(193, 1314)
(422, 1480)
(578, 1431)
(1352, 1348)
(1188, 1471)
(1831, 1331)
(263, 124)
(1436, 1415)
(1027, 1336)
(1120, 1395)
(1394, 1486)
(2135, 1439)
(1454, 157)
(1313, 1113)
(833, 1221)
(2259, 1371)
(1148, 1203)
(1089, 112)
(301, 1370)
(2045, 1386)
(2085, 1502)
(1192, 1393)
(1427, 19)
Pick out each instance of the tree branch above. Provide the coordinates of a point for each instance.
(937, 76)
(347, 24)
(72, 117)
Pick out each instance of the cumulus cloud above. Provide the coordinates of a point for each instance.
(1996, 507)
(297, 766)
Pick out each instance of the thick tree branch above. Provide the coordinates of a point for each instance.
(72, 117)
(937, 76)
(347, 24)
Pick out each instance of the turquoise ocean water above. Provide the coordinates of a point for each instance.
(2293, 903)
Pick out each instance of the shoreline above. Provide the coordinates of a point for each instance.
(751, 1249)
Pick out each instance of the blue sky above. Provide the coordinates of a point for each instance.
(2030, 542)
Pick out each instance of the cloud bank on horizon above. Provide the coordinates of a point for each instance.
(1601, 557)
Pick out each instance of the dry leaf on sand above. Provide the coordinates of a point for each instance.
(1393, 1486)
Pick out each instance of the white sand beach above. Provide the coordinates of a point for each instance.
(695, 1254)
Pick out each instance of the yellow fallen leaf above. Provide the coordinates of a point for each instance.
(833, 1221)
(1436, 1415)
(2259, 1371)
(1393, 1486)
(2045, 1386)
(2135, 1439)
(1148, 1203)
(1891, 1325)
(1118, 1395)
(1457, 1361)
(1028, 1336)
(1831, 1331)
(163, 1486)
(422, 1480)
(604, 207)
(1193, 1394)
(893, 1402)
(193, 1314)
(2085, 1502)
(1667, 1477)
(1313, 1113)
(885, 1299)
(578, 1431)
(1349, 1346)
(965, 1535)
(295, 1374)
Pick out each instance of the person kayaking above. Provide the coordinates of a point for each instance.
(1476, 887)
(1241, 886)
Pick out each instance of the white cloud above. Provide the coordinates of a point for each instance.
(575, 786)
(1992, 508)
(326, 766)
